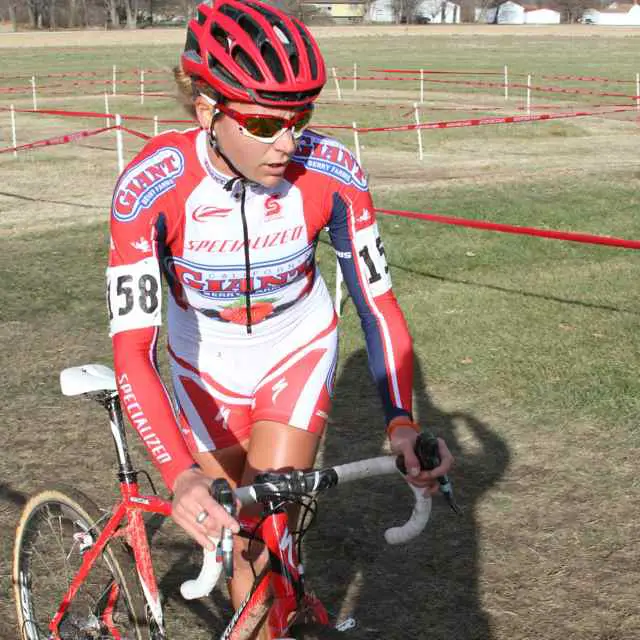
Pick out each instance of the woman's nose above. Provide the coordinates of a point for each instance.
(286, 143)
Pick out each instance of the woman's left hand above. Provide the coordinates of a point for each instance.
(403, 441)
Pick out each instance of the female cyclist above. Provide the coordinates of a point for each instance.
(230, 212)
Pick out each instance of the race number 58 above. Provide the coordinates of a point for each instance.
(133, 295)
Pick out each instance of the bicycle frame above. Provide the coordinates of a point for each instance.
(278, 593)
(130, 508)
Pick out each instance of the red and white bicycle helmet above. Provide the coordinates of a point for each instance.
(249, 51)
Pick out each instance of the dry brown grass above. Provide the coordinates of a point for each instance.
(549, 546)
(144, 37)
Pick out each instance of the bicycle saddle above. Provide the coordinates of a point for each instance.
(87, 379)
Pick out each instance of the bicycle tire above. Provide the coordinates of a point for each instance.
(72, 520)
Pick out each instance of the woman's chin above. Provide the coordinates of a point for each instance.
(269, 181)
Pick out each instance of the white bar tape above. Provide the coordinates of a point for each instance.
(416, 523)
(207, 578)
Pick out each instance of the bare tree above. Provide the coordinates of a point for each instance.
(111, 13)
(131, 11)
(404, 10)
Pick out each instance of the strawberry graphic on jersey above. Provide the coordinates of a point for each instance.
(237, 313)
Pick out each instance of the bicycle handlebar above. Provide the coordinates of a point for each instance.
(298, 483)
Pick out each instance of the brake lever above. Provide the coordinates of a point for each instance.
(223, 495)
(428, 454)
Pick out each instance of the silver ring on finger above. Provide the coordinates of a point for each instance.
(202, 516)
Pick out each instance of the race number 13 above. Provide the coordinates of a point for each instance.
(373, 259)
(133, 295)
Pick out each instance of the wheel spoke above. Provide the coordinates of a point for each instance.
(49, 552)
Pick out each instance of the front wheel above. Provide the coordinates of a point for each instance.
(56, 528)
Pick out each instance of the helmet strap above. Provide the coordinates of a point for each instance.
(215, 146)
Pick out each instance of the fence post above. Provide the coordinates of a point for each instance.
(418, 130)
(33, 93)
(119, 146)
(13, 130)
(506, 83)
(356, 143)
(106, 107)
(335, 79)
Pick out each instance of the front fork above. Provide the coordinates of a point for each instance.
(135, 535)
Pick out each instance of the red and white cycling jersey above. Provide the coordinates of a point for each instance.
(239, 260)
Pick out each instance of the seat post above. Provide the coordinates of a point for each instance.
(126, 471)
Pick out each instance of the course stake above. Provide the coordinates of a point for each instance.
(638, 91)
(529, 94)
(335, 79)
(13, 130)
(106, 107)
(155, 125)
(33, 93)
(356, 142)
(355, 76)
(141, 86)
(119, 146)
(506, 82)
(421, 86)
(418, 130)
(113, 81)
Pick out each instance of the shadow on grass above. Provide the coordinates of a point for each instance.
(496, 287)
(20, 196)
(429, 587)
(11, 496)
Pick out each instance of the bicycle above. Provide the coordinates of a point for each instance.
(103, 597)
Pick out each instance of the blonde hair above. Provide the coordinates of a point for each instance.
(189, 88)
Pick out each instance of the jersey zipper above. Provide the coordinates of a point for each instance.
(247, 262)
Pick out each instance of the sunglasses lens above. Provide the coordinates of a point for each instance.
(264, 127)
(303, 122)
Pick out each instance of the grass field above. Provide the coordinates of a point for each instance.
(527, 348)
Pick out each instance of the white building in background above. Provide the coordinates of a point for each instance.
(381, 11)
(431, 11)
(508, 12)
(438, 12)
(542, 16)
(616, 14)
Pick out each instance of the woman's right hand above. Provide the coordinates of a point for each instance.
(192, 499)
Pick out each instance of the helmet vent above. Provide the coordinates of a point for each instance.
(254, 31)
(313, 62)
(220, 36)
(242, 58)
(295, 63)
(192, 46)
(282, 36)
(219, 71)
(271, 58)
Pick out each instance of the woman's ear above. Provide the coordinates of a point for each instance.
(204, 112)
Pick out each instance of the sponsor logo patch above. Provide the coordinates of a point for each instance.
(205, 212)
(331, 160)
(145, 182)
(272, 208)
